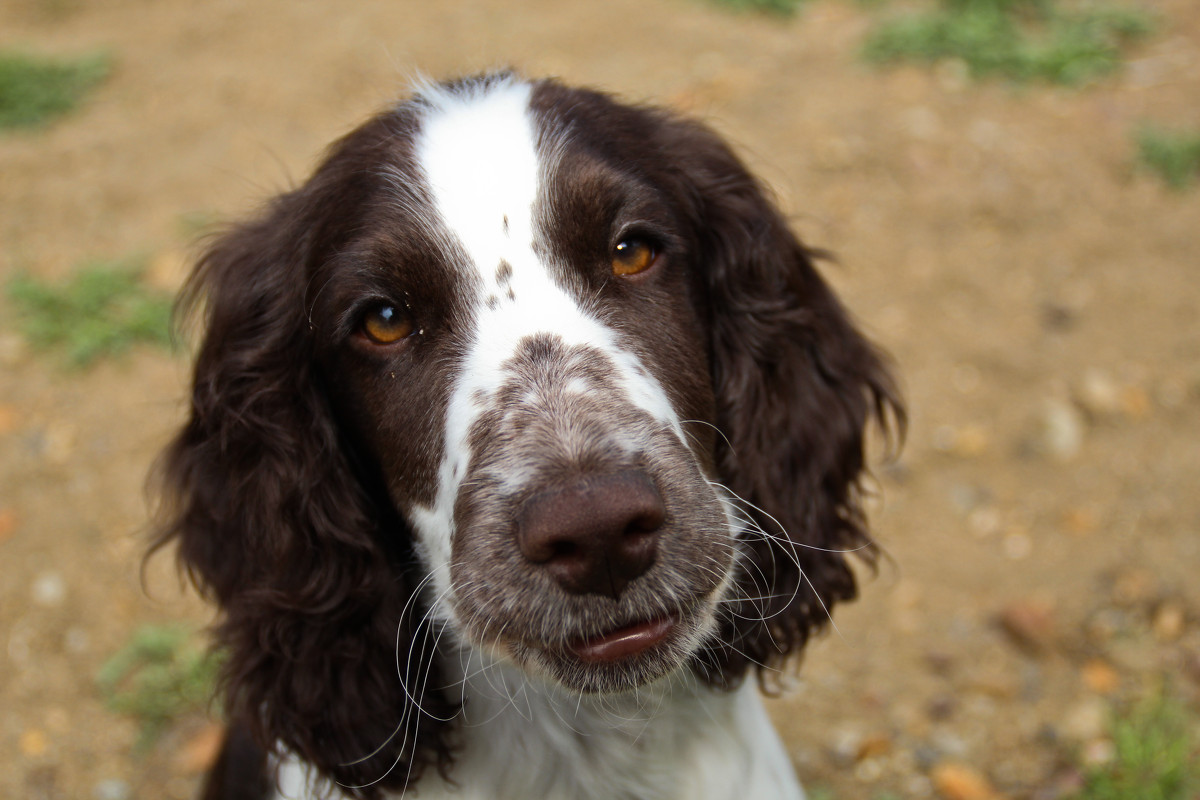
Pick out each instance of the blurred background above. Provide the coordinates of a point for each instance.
(1011, 190)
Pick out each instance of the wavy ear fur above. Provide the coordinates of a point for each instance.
(274, 517)
(796, 385)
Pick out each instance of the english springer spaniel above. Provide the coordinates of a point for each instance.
(521, 433)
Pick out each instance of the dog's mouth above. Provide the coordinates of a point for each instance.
(623, 657)
(624, 642)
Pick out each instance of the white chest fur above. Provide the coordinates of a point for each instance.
(671, 741)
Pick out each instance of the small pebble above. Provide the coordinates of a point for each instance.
(972, 441)
(33, 743)
(873, 746)
(1086, 720)
(984, 522)
(969, 441)
(49, 590)
(960, 782)
(1169, 621)
(1062, 430)
(868, 771)
(918, 786)
(950, 744)
(1030, 625)
(1098, 393)
(112, 789)
(1079, 521)
(1135, 402)
(8, 523)
(1099, 752)
(9, 419)
(1100, 678)
(845, 745)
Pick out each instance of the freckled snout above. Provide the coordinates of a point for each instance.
(595, 534)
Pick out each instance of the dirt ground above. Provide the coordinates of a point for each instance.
(1039, 294)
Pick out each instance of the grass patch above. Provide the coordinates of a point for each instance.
(1173, 155)
(1022, 40)
(34, 90)
(162, 673)
(1156, 756)
(99, 312)
(779, 8)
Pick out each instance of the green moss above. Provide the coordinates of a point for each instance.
(1155, 756)
(163, 672)
(99, 312)
(1022, 40)
(34, 90)
(781, 8)
(1173, 156)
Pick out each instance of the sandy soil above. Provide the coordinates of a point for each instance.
(1038, 292)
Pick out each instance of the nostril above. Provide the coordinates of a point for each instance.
(645, 523)
(562, 549)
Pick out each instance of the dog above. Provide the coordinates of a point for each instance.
(521, 435)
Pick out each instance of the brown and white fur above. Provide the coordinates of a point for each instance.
(521, 433)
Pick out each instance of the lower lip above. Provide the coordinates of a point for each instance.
(624, 642)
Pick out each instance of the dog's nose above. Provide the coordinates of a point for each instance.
(594, 535)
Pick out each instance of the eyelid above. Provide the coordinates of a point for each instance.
(642, 231)
(662, 236)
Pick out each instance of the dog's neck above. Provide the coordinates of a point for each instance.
(522, 737)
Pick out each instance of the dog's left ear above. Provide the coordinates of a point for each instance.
(796, 385)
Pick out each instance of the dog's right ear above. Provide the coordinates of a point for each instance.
(276, 518)
(256, 481)
(260, 483)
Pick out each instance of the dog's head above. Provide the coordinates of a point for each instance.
(527, 373)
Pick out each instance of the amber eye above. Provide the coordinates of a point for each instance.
(386, 324)
(632, 256)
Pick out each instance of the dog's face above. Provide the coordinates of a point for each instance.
(524, 370)
(517, 338)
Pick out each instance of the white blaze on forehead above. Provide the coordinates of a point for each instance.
(478, 151)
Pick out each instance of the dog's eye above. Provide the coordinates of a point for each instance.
(384, 324)
(633, 255)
